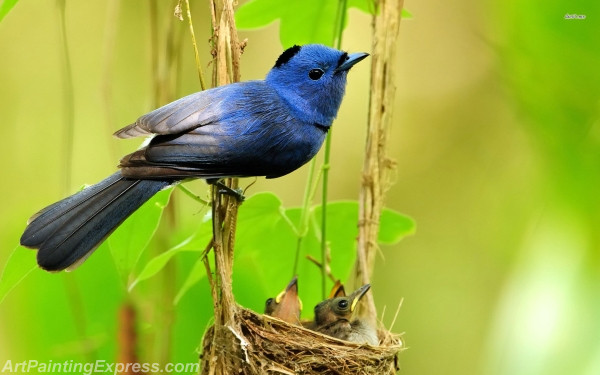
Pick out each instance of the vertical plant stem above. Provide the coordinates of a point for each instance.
(339, 28)
(375, 179)
(156, 339)
(303, 225)
(77, 308)
(68, 105)
(339, 24)
(226, 52)
(127, 336)
(72, 288)
(225, 207)
(165, 58)
(110, 33)
(324, 250)
(154, 54)
(196, 55)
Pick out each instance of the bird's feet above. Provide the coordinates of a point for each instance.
(224, 189)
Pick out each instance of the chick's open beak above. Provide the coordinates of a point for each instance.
(291, 294)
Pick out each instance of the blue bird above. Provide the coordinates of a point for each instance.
(265, 128)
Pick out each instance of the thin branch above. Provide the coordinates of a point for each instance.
(325, 170)
(164, 57)
(396, 315)
(327, 268)
(375, 176)
(68, 101)
(337, 36)
(302, 229)
(71, 287)
(190, 194)
(127, 337)
(196, 55)
(213, 287)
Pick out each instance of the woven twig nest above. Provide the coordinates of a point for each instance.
(264, 345)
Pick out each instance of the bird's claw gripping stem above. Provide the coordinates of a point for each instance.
(224, 189)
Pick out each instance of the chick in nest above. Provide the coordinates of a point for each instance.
(287, 305)
(335, 317)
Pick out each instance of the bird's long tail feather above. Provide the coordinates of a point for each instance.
(68, 231)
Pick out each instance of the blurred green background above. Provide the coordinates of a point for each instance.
(497, 139)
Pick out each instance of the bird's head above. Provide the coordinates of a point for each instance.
(339, 308)
(287, 305)
(312, 80)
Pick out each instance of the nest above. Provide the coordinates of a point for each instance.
(264, 345)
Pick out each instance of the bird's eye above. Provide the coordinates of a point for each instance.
(343, 304)
(315, 74)
(269, 301)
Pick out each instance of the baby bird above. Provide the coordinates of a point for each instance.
(287, 305)
(334, 317)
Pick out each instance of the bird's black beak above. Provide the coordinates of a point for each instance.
(357, 295)
(352, 59)
(293, 285)
(291, 291)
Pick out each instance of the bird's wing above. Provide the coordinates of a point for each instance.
(197, 153)
(256, 136)
(189, 112)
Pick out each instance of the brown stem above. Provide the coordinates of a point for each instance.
(375, 176)
(226, 51)
(326, 268)
(127, 339)
(164, 59)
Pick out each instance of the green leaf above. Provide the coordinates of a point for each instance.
(265, 250)
(195, 243)
(342, 217)
(394, 226)
(406, 15)
(5, 7)
(265, 232)
(19, 264)
(266, 243)
(266, 246)
(131, 238)
(156, 264)
(367, 6)
(301, 21)
(253, 283)
(262, 230)
(197, 273)
(258, 13)
(342, 231)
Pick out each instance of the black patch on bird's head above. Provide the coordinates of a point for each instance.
(287, 55)
(342, 59)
